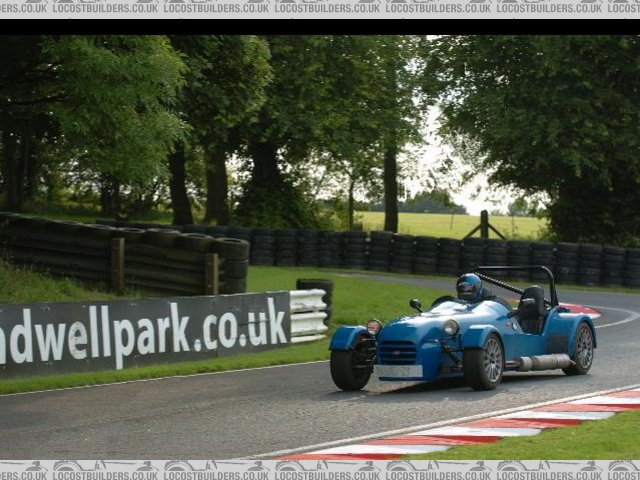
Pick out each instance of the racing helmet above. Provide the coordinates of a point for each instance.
(469, 287)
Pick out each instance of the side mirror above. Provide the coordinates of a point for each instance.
(524, 303)
(416, 304)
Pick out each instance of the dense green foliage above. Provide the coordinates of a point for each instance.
(290, 131)
(552, 114)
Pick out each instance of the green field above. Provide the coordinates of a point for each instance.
(456, 226)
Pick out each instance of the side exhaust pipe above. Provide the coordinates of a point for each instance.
(543, 362)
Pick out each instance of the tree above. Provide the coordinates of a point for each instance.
(101, 101)
(116, 110)
(375, 108)
(553, 114)
(284, 132)
(224, 87)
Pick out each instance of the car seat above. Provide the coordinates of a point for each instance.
(531, 317)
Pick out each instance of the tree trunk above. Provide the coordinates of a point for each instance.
(177, 185)
(10, 171)
(265, 164)
(350, 203)
(391, 188)
(110, 197)
(217, 206)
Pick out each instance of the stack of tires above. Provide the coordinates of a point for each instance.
(541, 254)
(426, 259)
(354, 252)
(380, 251)
(589, 264)
(308, 248)
(519, 253)
(449, 256)
(402, 253)
(473, 253)
(567, 263)
(263, 246)
(286, 247)
(241, 233)
(217, 231)
(330, 249)
(613, 261)
(632, 270)
(160, 263)
(194, 229)
(233, 254)
(496, 254)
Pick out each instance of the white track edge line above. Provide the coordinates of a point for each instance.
(310, 448)
(112, 384)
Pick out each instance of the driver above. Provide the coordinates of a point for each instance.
(470, 289)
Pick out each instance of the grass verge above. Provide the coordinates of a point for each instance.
(610, 439)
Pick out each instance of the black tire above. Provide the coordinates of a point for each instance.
(234, 268)
(483, 367)
(345, 374)
(233, 285)
(160, 237)
(231, 248)
(582, 351)
(196, 242)
(129, 234)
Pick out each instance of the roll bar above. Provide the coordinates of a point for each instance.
(552, 286)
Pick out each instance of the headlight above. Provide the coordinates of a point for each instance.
(451, 327)
(374, 327)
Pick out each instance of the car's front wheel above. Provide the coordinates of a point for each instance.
(483, 367)
(351, 369)
(582, 351)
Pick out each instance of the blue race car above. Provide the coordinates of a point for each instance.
(477, 336)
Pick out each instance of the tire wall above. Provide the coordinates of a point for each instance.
(571, 263)
(172, 258)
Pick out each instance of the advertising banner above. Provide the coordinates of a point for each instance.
(46, 338)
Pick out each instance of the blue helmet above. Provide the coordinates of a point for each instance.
(469, 287)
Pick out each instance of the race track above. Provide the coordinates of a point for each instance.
(256, 412)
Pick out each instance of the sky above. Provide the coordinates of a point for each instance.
(428, 157)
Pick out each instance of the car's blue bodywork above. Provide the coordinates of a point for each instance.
(419, 344)
(418, 339)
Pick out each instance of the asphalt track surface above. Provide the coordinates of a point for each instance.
(261, 411)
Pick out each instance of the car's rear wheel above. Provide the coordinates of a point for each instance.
(582, 351)
(351, 369)
(483, 367)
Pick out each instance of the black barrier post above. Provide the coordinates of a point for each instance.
(116, 279)
(211, 274)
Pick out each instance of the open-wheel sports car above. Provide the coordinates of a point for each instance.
(475, 335)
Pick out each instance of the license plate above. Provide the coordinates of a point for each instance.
(399, 371)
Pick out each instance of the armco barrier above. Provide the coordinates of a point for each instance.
(53, 338)
(307, 315)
